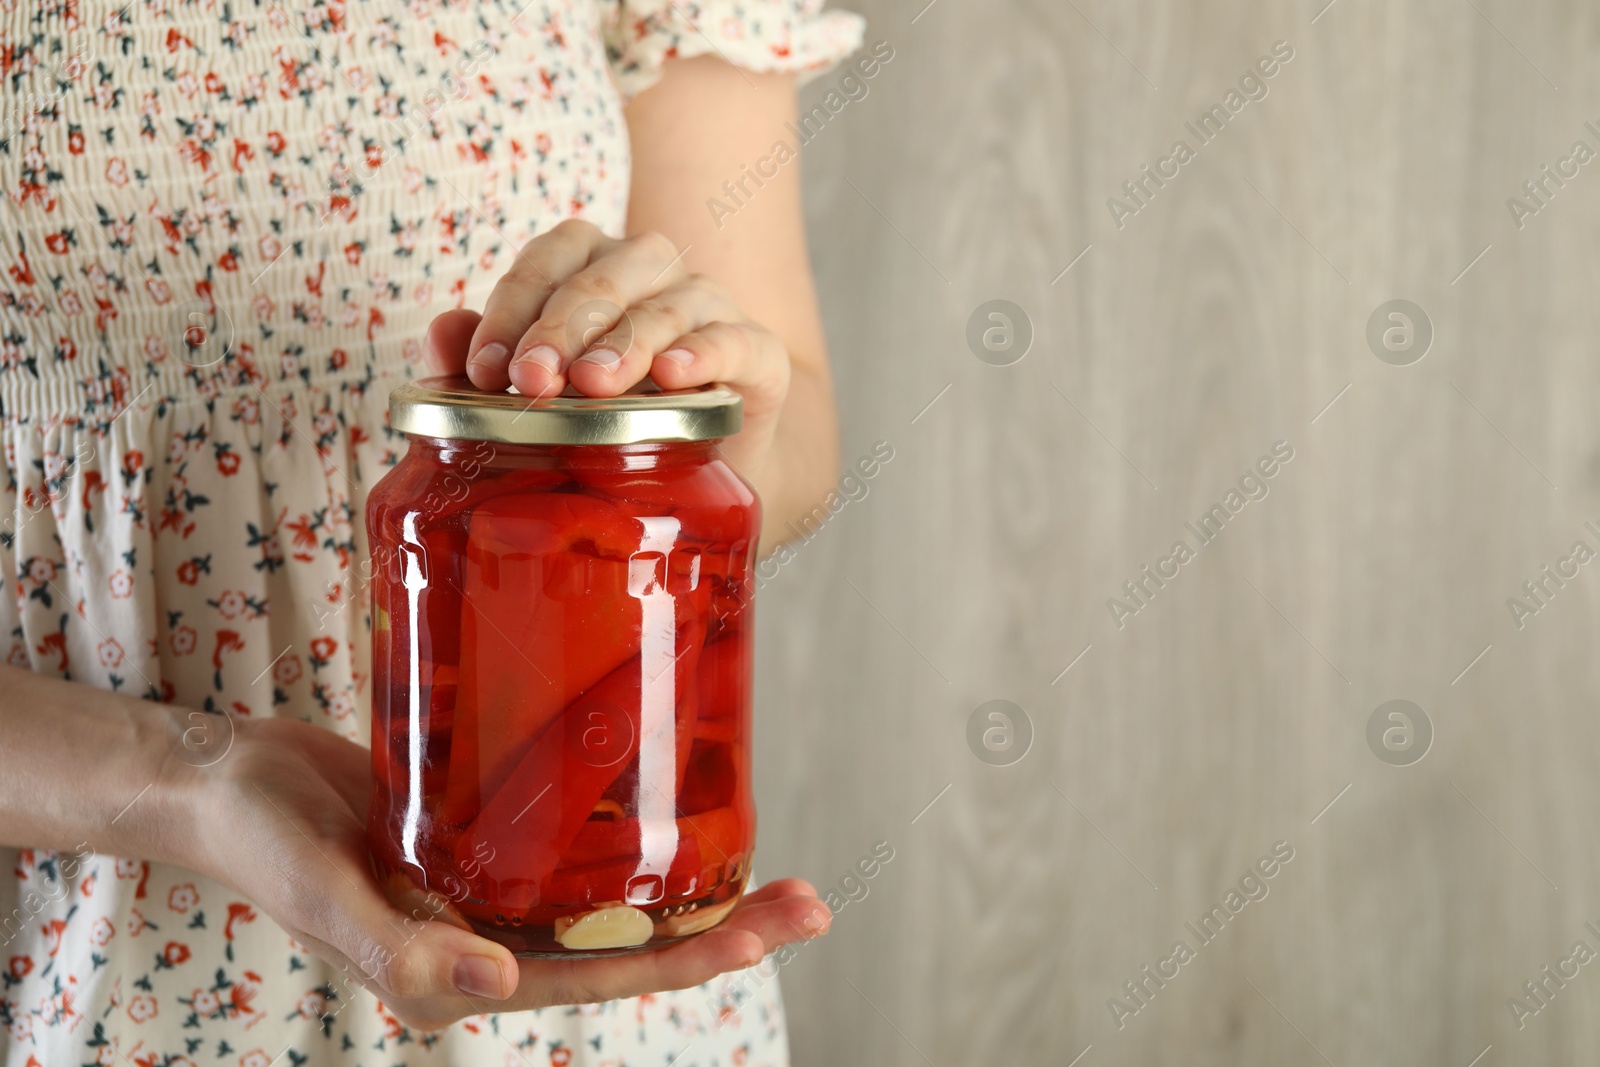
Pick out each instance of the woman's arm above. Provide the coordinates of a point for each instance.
(691, 296)
(705, 124)
(85, 769)
(276, 809)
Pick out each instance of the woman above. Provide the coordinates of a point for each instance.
(236, 226)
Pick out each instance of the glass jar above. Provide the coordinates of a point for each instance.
(562, 666)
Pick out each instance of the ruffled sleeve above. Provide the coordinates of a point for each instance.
(757, 35)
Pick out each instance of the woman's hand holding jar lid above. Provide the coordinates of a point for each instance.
(599, 314)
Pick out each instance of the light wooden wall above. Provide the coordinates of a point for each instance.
(1229, 712)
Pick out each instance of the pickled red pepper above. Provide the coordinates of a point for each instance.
(532, 657)
(583, 750)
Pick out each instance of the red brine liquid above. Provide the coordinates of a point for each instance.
(561, 690)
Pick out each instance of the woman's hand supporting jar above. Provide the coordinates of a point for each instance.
(277, 810)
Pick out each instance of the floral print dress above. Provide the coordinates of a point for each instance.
(230, 223)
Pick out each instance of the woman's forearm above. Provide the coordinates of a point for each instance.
(703, 124)
(803, 462)
(84, 769)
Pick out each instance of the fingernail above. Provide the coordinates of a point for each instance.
(603, 358)
(681, 356)
(492, 354)
(818, 921)
(479, 976)
(542, 356)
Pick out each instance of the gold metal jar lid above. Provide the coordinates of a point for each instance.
(454, 409)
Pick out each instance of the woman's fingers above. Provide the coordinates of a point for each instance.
(783, 887)
(689, 334)
(519, 296)
(743, 355)
(580, 307)
(449, 337)
(591, 304)
(617, 358)
(753, 930)
(783, 919)
(763, 922)
(408, 955)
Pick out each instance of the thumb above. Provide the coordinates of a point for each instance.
(414, 948)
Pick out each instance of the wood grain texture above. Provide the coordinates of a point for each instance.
(1232, 709)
